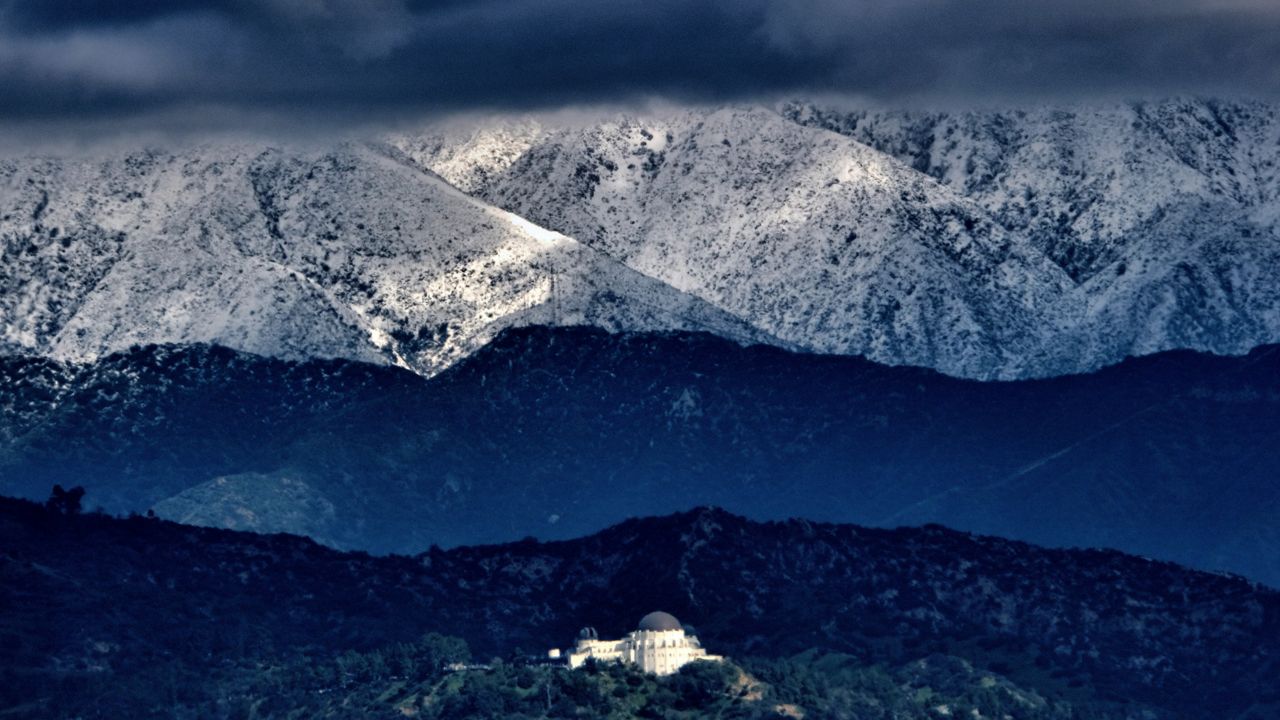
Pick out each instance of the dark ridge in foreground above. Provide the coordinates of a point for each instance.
(560, 432)
(94, 594)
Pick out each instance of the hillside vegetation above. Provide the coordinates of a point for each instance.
(139, 617)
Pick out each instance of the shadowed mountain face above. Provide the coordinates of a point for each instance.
(1180, 643)
(554, 433)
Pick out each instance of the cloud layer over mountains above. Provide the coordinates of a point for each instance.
(81, 61)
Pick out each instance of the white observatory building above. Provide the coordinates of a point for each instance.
(659, 646)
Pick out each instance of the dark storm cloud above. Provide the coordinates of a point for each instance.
(75, 59)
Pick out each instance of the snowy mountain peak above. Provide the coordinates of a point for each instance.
(986, 244)
(349, 252)
(995, 244)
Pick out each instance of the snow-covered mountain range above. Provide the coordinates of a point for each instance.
(983, 244)
(349, 252)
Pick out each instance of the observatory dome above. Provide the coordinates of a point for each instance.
(659, 621)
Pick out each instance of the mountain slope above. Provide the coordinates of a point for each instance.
(1167, 214)
(1083, 181)
(348, 252)
(555, 433)
(1086, 625)
(984, 244)
(822, 241)
(1015, 244)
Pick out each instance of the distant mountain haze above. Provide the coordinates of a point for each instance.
(557, 432)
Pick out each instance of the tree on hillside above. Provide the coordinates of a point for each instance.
(65, 502)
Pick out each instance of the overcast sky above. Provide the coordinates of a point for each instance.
(69, 63)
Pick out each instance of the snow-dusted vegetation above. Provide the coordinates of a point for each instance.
(984, 244)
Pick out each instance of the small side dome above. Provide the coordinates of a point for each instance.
(659, 621)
